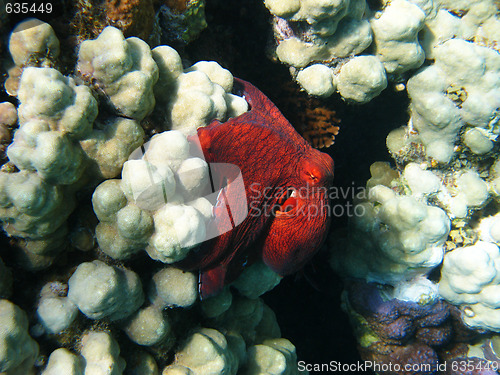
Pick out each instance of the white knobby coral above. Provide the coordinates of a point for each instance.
(148, 326)
(60, 150)
(45, 94)
(208, 352)
(402, 34)
(201, 94)
(123, 68)
(395, 35)
(489, 229)
(32, 209)
(459, 193)
(329, 32)
(317, 80)
(99, 291)
(62, 361)
(18, 351)
(395, 238)
(31, 43)
(110, 144)
(273, 356)
(361, 79)
(158, 204)
(195, 96)
(101, 353)
(172, 287)
(33, 39)
(469, 279)
(53, 113)
(459, 89)
(55, 311)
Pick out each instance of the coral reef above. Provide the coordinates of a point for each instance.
(355, 47)
(384, 247)
(125, 72)
(55, 144)
(468, 280)
(78, 133)
(155, 204)
(314, 119)
(109, 127)
(393, 238)
(181, 21)
(152, 21)
(409, 330)
(19, 350)
(450, 98)
(430, 225)
(32, 43)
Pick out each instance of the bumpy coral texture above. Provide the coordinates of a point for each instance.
(396, 238)
(469, 280)
(123, 69)
(18, 350)
(132, 17)
(158, 203)
(322, 40)
(393, 331)
(458, 90)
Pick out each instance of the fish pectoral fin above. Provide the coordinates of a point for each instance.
(212, 281)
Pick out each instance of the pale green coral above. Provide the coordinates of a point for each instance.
(273, 357)
(438, 118)
(33, 39)
(469, 280)
(401, 34)
(18, 351)
(123, 68)
(99, 291)
(393, 237)
(62, 361)
(101, 353)
(207, 352)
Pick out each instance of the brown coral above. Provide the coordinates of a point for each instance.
(318, 127)
(133, 17)
(177, 6)
(314, 120)
(8, 120)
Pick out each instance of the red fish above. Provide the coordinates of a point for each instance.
(285, 196)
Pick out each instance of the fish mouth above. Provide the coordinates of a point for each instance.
(286, 203)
